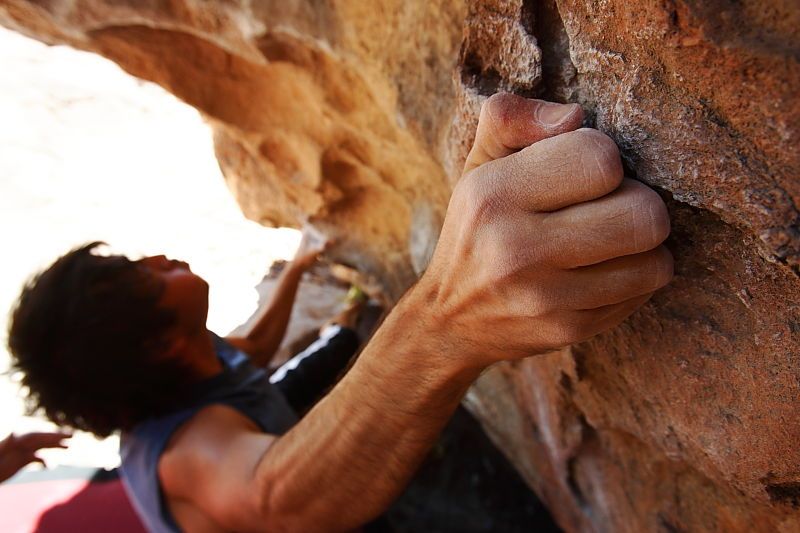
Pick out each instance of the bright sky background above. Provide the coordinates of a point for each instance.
(89, 153)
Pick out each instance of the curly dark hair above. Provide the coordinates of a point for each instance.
(89, 338)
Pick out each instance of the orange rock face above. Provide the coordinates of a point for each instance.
(328, 113)
(355, 117)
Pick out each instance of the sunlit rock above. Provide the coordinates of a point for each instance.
(356, 116)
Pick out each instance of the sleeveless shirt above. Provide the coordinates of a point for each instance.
(241, 386)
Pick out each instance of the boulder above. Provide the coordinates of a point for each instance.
(355, 117)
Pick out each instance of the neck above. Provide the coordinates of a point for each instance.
(201, 356)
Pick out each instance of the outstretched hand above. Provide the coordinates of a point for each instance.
(544, 243)
(17, 451)
(311, 247)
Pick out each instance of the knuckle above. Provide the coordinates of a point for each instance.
(470, 189)
(647, 219)
(510, 258)
(600, 158)
(567, 330)
(480, 200)
(485, 194)
(498, 109)
(539, 302)
(659, 215)
(666, 266)
(660, 267)
(509, 247)
(652, 215)
(502, 247)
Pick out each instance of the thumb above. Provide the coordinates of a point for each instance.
(509, 123)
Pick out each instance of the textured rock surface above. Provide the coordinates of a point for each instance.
(324, 112)
(355, 116)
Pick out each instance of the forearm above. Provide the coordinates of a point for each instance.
(357, 449)
(270, 327)
(560, 249)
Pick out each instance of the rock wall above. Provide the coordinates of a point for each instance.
(355, 117)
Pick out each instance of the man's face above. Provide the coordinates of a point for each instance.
(184, 293)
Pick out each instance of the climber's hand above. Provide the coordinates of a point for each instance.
(544, 243)
(309, 251)
(16, 451)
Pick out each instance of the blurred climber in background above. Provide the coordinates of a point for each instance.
(544, 244)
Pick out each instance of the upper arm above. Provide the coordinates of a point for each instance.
(260, 354)
(242, 343)
(211, 465)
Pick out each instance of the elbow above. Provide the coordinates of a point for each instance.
(308, 516)
(288, 502)
(264, 345)
(282, 512)
(287, 511)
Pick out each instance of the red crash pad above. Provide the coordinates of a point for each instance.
(66, 505)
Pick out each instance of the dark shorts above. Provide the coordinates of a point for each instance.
(305, 378)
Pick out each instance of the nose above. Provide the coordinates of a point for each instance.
(155, 261)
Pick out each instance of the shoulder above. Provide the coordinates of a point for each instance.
(242, 343)
(200, 444)
(207, 470)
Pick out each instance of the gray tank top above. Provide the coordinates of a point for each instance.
(240, 385)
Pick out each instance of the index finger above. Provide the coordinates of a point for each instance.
(571, 168)
(35, 441)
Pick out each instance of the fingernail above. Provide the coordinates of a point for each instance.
(554, 114)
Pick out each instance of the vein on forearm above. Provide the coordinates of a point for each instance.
(361, 444)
